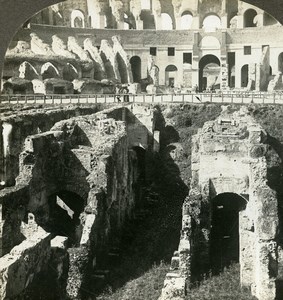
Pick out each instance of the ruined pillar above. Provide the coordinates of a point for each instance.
(195, 61)
(6, 138)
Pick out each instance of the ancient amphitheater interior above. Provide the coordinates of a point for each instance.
(141, 149)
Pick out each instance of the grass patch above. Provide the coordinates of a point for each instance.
(225, 286)
(147, 286)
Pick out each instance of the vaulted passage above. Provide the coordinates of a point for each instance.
(224, 235)
(65, 209)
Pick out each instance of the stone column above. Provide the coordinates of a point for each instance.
(240, 21)
(224, 16)
(223, 63)
(195, 62)
(259, 19)
(196, 22)
(224, 21)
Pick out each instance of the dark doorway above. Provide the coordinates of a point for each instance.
(249, 18)
(65, 209)
(245, 76)
(136, 68)
(224, 235)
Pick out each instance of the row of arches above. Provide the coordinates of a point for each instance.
(47, 70)
(209, 22)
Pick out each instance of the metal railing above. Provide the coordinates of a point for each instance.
(220, 97)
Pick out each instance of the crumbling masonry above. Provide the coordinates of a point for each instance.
(231, 213)
(77, 184)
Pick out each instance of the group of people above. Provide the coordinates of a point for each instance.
(122, 91)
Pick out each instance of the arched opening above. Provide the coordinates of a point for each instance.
(186, 20)
(27, 71)
(280, 62)
(48, 70)
(77, 19)
(70, 72)
(64, 211)
(170, 75)
(268, 20)
(224, 235)
(245, 76)
(135, 62)
(249, 18)
(122, 68)
(166, 22)
(211, 23)
(209, 73)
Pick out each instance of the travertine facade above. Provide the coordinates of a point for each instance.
(211, 45)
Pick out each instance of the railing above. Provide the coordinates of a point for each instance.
(221, 97)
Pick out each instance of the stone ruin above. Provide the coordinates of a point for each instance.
(98, 69)
(231, 213)
(77, 184)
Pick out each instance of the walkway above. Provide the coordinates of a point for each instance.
(237, 98)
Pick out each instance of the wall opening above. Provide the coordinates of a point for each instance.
(280, 62)
(211, 23)
(77, 19)
(145, 4)
(148, 19)
(245, 76)
(171, 75)
(209, 73)
(27, 71)
(224, 235)
(64, 219)
(70, 72)
(249, 18)
(268, 20)
(135, 62)
(166, 22)
(48, 70)
(186, 20)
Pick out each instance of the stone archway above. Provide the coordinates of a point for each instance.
(48, 70)
(77, 19)
(70, 72)
(211, 22)
(186, 20)
(249, 18)
(171, 75)
(224, 235)
(209, 72)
